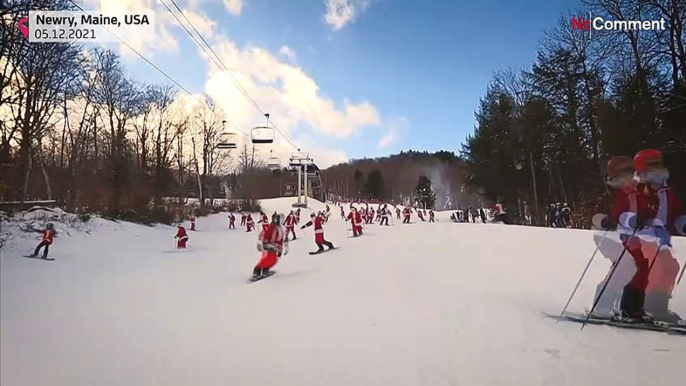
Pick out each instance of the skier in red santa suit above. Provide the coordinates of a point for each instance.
(290, 225)
(192, 222)
(647, 234)
(620, 177)
(355, 218)
(407, 212)
(273, 244)
(232, 221)
(249, 223)
(667, 218)
(318, 232)
(181, 237)
(264, 220)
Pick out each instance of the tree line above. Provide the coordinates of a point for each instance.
(74, 127)
(544, 134)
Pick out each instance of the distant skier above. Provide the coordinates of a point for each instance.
(420, 214)
(356, 222)
(192, 219)
(342, 213)
(47, 236)
(384, 214)
(264, 220)
(243, 218)
(319, 239)
(500, 213)
(552, 211)
(181, 237)
(432, 215)
(482, 214)
(566, 215)
(397, 212)
(290, 225)
(407, 212)
(272, 242)
(232, 221)
(249, 223)
(297, 216)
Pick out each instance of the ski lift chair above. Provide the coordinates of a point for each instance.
(228, 141)
(273, 163)
(262, 134)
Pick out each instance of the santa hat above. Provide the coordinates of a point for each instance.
(650, 167)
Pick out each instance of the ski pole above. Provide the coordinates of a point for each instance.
(681, 275)
(583, 274)
(609, 277)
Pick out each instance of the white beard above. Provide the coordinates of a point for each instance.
(655, 176)
(620, 181)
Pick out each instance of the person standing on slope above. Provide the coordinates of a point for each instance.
(232, 221)
(620, 177)
(407, 212)
(249, 223)
(356, 222)
(290, 225)
(667, 218)
(181, 237)
(432, 216)
(47, 236)
(244, 217)
(192, 219)
(318, 232)
(397, 212)
(385, 214)
(264, 220)
(273, 244)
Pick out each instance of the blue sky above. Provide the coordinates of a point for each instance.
(424, 63)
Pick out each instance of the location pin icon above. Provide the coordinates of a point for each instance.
(24, 26)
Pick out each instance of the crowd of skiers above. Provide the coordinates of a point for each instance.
(559, 216)
(464, 215)
(645, 214)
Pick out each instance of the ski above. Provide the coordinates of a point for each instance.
(323, 251)
(270, 274)
(654, 326)
(37, 258)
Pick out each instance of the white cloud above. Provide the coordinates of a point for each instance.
(288, 53)
(396, 126)
(341, 12)
(234, 7)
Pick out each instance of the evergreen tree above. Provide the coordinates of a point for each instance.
(375, 184)
(359, 181)
(424, 193)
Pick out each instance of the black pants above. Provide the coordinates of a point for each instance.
(384, 221)
(406, 220)
(632, 302)
(320, 247)
(45, 251)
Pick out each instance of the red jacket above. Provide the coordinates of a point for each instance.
(273, 234)
(290, 221)
(355, 217)
(318, 229)
(181, 232)
(48, 235)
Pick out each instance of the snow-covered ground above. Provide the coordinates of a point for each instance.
(419, 304)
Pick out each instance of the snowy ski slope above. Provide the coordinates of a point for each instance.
(420, 304)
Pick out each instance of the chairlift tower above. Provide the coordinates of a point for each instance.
(301, 161)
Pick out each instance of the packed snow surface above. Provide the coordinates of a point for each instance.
(419, 304)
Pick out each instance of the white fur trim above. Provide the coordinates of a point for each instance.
(620, 181)
(598, 219)
(626, 218)
(655, 176)
(680, 223)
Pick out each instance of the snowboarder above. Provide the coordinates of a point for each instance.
(356, 222)
(232, 221)
(181, 237)
(432, 216)
(48, 234)
(273, 244)
(249, 223)
(192, 219)
(318, 232)
(290, 225)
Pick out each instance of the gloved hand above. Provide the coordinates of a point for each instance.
(302, 227)
(259, 246)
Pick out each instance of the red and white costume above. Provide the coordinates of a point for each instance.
(264, 220)
(192, 219)
(249, 223)
(356, 221)
(318, 229)
(181, 237)
(407, 212)
(290, 225)
(272, 243)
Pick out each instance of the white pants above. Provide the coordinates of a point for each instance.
(625, 271)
